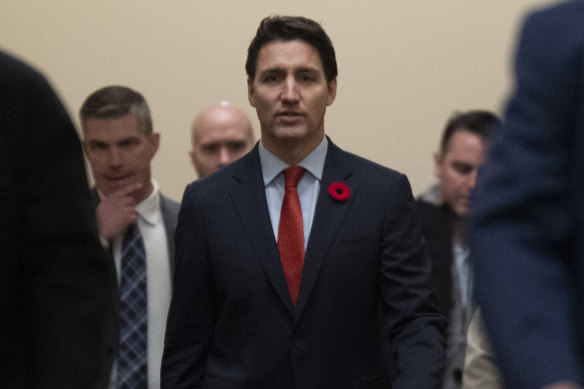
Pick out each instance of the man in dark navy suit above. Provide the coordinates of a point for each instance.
(284, 256)
(528, 230)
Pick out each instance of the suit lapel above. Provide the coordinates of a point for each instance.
(328, 218)
(249, 196)
(169, 219)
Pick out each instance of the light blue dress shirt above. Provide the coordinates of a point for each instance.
(461, 271)
(308, 187)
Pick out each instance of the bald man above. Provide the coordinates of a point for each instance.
(221, 134)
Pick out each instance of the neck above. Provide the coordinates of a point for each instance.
(291, 152)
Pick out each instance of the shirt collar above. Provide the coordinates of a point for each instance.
(313, 163)
(432, 195)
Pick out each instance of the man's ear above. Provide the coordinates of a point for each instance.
(250, 91)
(438, 157)
(155, 142)
(332, 91)
(193, 155)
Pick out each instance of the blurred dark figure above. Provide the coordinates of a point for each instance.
(443, 210)
(57, 321)
(528, 229)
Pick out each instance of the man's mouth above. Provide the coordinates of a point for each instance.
(117, 178)
(289, 113)
(289, 116)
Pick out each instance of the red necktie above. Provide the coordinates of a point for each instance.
(291, 232)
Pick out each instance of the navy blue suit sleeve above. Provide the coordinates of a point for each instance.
(416, 326)
(524, 222)
(189, 329)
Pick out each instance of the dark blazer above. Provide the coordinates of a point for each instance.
(528, 230)
(231, 322)
(169, 209)
(437, 228)
(57, 326)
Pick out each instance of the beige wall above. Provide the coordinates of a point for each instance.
(404, 66)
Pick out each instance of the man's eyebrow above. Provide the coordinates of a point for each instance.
(277, 69)
(280, 69)
(307, 69)
(94, 141)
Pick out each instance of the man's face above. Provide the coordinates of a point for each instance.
(457, 168)
(219, 138)
(119, 154)
(290, 93)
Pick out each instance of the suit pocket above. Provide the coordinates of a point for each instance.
(383, 382)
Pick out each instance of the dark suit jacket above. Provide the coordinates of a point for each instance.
(57, 328)
(232, 324)
(437, 228)
(528, 232)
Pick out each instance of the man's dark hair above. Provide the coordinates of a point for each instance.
(113, 102)
(288, 28)
(480, 123)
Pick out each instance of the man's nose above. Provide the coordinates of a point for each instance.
(472, 179)
(224, 157)
(113, 157)
(290, 90)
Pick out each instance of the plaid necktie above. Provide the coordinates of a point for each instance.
(291, 232)
(132, 358)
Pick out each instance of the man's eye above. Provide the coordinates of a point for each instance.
(210, 149)
(271, 78)
(236, 147)
(462, 168)
(97, 146)
(128, 143)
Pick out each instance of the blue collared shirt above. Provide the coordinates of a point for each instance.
(308, 187)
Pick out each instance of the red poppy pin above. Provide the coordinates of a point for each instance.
(339, 191)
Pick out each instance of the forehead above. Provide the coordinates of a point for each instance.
(465, 144)
(221, 126)
(288, 55)
(112, 129)
(221, 134)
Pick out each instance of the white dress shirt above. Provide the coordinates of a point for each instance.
(158, 279)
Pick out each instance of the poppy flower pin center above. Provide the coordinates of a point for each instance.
(339, 191)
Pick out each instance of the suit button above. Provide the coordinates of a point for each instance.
(296, 342)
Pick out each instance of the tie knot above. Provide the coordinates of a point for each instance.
(293, 176)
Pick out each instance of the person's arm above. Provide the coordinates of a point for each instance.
(416, 327)
(68, 287)
(526, 210)
(189, 328)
